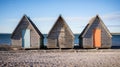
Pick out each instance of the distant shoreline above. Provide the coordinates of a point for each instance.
(115, 33)
(74, 33)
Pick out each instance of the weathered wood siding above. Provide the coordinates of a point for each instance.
(53, 37)
(106, 40)
(87, 40)
(60, 36)
(69, 40)
(35, 39)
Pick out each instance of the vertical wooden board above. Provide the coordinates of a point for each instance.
(52, 43)
(26, 38)
(61, 39)
(97, 38)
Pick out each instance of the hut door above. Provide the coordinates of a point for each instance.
(26, 38)
(61, 38)
(97, 38)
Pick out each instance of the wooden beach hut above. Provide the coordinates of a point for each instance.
(95, 35)
(26, 35)
(60, 36)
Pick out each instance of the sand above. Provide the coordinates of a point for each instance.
(38, 58)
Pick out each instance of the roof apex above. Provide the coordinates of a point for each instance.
(24, 15)
(91, 22)
(60, 17)
(63, 21)
(97, 15)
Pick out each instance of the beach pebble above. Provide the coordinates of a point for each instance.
(59, 59)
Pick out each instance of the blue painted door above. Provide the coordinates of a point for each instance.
(26, 38)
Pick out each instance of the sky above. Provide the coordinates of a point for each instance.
(44, 13)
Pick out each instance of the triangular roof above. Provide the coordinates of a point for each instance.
(61, 18)
(30, 21)
(91, 22)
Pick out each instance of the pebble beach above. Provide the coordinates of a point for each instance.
(60, 58)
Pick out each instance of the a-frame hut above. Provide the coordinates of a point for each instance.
(60, 36)
(26, 35)
(95, 35)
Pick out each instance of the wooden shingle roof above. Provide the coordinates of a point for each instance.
(91, 22)
(30, 21)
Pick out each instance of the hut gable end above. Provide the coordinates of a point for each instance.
(23, 24)
(95, 35)
(60, 35)
(26, 35)
(59, 25)
(95, 22)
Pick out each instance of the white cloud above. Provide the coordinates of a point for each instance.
(112, 21)
(113, 25)
(71, 19)
(75, 19)
(12, 20)
(44, 19)
(112, 16)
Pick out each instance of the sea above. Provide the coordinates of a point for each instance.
(6, 39)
